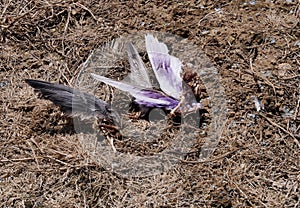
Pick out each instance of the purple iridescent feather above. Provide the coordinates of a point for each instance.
(166, 68)
(147, 97)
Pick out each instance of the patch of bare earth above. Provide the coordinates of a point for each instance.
(255, 48)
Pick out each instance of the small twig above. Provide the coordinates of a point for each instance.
(294, 186)
(67, 23)
(33, 152)
(283, 129)
(59, 161)
(255, 76)
(108, 138)
(243, 193)
(64, 76)
(203, 18)
(84, 7)
(109, 127)
(5, 8)
(211, 160)
(111, 142)
(297, 108)
(20, 159)
(15, 20)
(291, 77)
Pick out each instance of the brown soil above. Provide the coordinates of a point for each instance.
(255, 48)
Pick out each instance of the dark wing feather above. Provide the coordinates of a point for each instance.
(73, 102)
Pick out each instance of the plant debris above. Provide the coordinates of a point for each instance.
(255, 48)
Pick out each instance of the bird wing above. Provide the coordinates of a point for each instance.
(72, 101)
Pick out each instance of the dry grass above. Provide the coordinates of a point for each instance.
(255, 49)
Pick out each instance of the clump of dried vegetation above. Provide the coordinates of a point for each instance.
(255, 48)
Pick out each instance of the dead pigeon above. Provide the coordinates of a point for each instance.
(173, 97)
(167, 69)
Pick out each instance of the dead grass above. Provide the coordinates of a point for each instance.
(254, 47)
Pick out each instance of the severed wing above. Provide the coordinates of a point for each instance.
(166, 68)
(74, 102)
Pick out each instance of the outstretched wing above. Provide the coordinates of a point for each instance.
(166, 68)
(149, 98)
(73, 102)
(138, 73)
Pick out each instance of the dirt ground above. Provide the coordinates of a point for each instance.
(255, 47)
